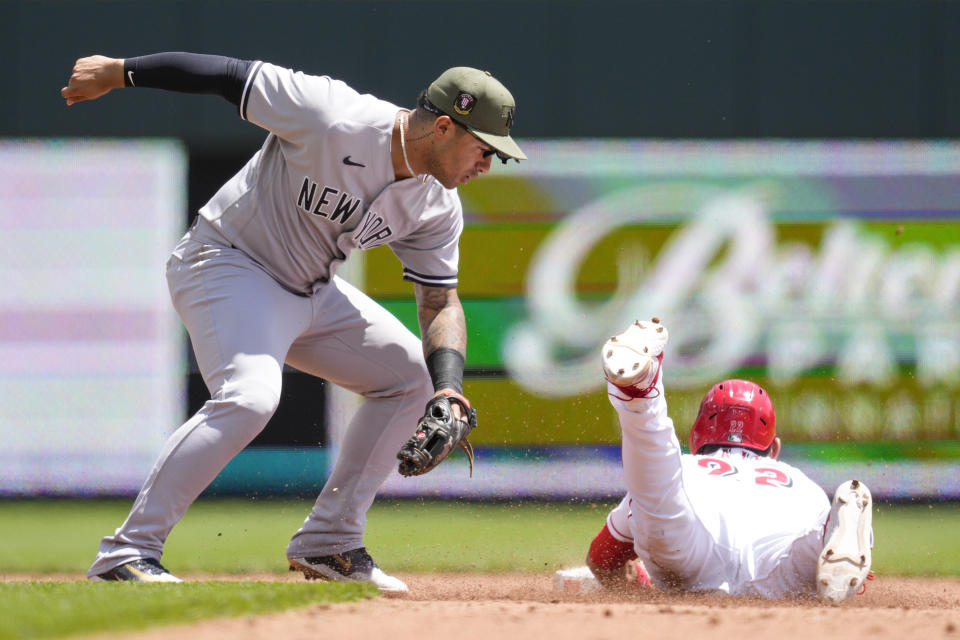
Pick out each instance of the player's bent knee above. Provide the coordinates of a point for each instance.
(256, 399)
(412, 382)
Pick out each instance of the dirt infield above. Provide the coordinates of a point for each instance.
(475, 607)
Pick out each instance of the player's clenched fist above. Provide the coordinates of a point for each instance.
(92, 77)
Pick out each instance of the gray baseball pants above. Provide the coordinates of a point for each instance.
(244, 326)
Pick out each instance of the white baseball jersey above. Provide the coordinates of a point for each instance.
(731, 521)
(323, 184)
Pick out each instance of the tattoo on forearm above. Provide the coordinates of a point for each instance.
(446, 330)
(442, 322)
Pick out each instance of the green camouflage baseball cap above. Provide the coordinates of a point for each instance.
(478, 101)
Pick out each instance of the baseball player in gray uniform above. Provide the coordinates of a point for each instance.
(730, 516)
(254, 281)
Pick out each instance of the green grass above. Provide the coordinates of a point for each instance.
(910, 539)
(445, 536)
(57, 609)
(240, 536)
(917, 539)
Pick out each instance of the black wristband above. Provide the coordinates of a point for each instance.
(446, 369)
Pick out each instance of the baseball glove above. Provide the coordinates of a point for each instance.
(438, 433)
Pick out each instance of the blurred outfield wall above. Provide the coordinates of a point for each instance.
(862, 376)
(827, 271)
(91, 351)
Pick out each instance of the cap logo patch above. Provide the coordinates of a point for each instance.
(508, 116)
(464, 103)
(734, 437)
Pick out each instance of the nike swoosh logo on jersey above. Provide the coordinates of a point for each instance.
(130, 76)
(349, 162)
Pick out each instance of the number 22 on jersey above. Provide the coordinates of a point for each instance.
(765, 476)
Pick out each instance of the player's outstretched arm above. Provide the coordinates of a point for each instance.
(174, 71)
(93, 77)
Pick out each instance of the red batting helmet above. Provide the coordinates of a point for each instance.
(735, 412)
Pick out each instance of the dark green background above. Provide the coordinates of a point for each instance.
(599, 68)
(607, 68)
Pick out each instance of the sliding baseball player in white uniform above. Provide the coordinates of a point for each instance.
(730, 517)
(254, 281)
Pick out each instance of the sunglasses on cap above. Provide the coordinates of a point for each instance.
(429, 106)
(489, 152)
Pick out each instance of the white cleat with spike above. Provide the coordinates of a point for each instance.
(631, 360)
(844, 563)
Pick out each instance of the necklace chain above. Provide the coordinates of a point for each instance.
(403, 148)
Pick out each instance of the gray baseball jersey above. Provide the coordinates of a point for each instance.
(254, 283)
(299, 212)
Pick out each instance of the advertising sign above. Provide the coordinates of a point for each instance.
(827, 271)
